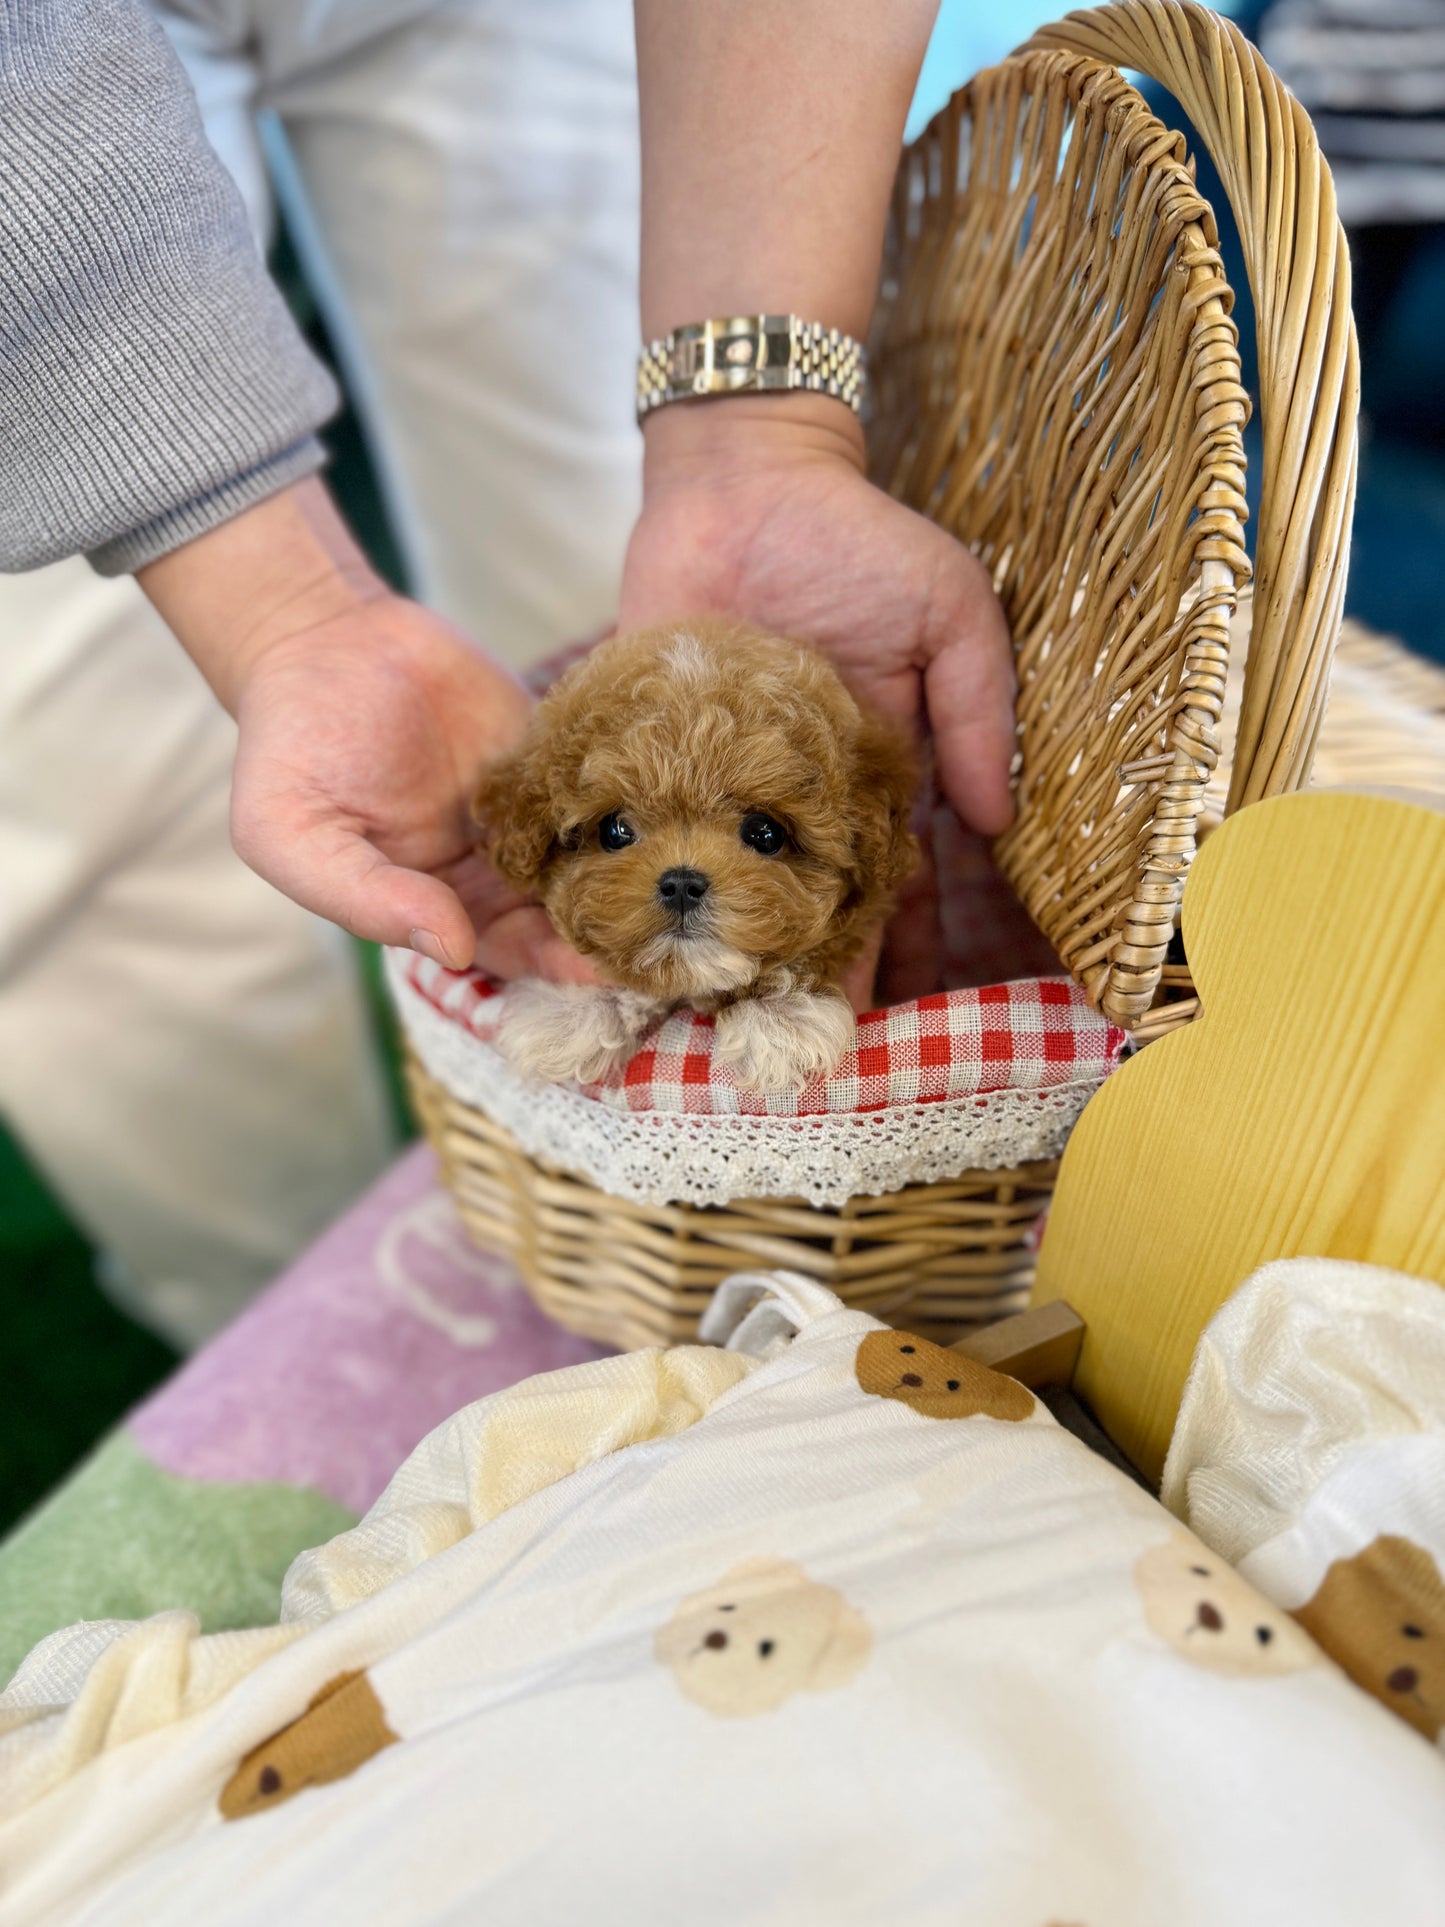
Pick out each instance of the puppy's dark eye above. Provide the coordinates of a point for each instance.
(615, 832)
(763, 834)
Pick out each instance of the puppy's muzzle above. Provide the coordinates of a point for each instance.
(680, 891)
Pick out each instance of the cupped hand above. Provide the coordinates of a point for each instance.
(361, 743)
(364, 723)
(759, 507)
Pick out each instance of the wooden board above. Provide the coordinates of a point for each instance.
(1037, 1347)
(1303, 1113)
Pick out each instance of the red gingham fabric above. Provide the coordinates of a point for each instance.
(1030, 1036)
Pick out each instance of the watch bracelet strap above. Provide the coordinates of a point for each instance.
(751, 355)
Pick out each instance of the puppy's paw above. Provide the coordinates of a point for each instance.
(778, 1043)
(558, 1032)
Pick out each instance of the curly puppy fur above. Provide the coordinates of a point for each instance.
(684, 732)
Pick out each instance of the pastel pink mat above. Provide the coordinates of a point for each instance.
(381, 1330)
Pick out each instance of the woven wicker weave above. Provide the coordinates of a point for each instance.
(1057, 383)
(1384, 729)
(1385, 726)
(954, 1254)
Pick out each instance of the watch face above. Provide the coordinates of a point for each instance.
(729, 360)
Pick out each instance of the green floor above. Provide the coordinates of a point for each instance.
(73, 1363)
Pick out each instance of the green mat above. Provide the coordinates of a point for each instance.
(123, 1539)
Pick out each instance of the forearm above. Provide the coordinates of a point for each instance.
(151, 381)
(286, 567)
(770, 139)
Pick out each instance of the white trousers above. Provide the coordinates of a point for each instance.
(183, 1052)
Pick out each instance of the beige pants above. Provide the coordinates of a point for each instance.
(182, 1051)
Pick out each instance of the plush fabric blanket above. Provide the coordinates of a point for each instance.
(835, 1628)
(1310, 1452)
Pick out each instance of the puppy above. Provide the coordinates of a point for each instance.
(705, 810)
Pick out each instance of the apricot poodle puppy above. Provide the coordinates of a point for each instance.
(706, 811)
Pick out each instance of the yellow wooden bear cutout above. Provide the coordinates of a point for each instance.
(1302, 1114)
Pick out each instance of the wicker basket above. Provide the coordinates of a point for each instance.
(1058, 383)
(634, 1274)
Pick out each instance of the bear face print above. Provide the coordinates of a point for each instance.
(1381, 1616)
(1203, 1609)
(764, 1632)
(937, 1383)
(342, 1728)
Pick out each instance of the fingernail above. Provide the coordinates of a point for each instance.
(426, 944)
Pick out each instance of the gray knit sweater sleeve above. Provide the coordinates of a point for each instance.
(152, 383)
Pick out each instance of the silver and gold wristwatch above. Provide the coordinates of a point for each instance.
(750, 354)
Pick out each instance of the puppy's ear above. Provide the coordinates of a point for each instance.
(885, 779)
(513, 810)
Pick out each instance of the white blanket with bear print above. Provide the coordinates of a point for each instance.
(1310, 1452)
(851, 1633)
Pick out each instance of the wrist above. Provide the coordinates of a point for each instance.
(743, 437)
(284, 567)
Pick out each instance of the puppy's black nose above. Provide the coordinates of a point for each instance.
(681, 890)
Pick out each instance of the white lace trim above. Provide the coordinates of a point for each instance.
(669, 1157)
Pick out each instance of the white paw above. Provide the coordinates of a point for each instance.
(778, 1043)
(560, 1032)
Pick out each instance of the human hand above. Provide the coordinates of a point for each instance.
(759, 507)
(364, 722)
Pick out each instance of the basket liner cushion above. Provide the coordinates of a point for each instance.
(966, 1080)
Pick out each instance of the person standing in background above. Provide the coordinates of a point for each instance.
(181, 1048)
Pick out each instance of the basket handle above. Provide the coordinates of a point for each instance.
(1279, 186)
